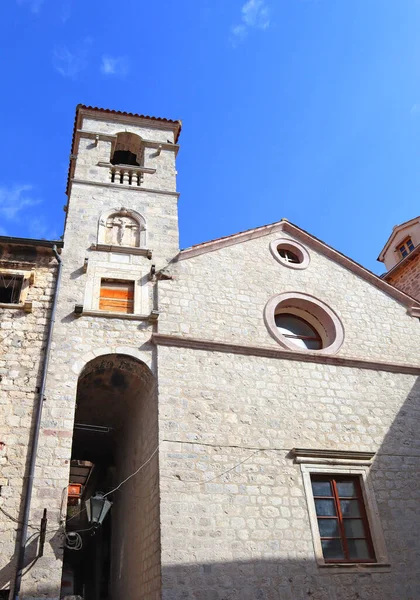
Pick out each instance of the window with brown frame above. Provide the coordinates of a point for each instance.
(117, 296)
(342, 521)
(406, 247)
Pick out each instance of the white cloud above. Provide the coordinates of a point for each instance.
(14, 204)
(255, 15)
(34, 5)
(14, 200)
(115, 65)
(69, 63)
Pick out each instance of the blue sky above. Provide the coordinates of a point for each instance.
(304, 109)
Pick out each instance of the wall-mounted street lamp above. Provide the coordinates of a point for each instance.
(97, 507)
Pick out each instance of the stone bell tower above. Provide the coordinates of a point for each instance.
(101, 395)
(122, 209)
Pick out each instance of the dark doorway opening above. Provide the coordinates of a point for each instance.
(115, 431)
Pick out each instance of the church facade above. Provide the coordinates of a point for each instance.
(249, 405)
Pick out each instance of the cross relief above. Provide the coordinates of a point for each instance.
(122, 231)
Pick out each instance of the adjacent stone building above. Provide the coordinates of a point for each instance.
(401, 257)
(249, 405)
(28, 275)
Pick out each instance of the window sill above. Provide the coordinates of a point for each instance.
(123, 249)
(152, 317)
(381, 567)
(26, 306)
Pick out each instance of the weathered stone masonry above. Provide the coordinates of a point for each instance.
(23, 336)
(203, 399)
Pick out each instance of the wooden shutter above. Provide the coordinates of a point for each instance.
(117, 296)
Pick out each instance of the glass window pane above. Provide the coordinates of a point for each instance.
(321, 488)
(288, 255)
(354, 528)
(292, 325)
(296, 341)
(325, 508)
(350, 508)
(410, 245)
(358, 549)
(346, 488)
(328, 528)
(332, 549)
(313, 344)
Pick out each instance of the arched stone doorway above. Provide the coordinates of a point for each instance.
(115, 432)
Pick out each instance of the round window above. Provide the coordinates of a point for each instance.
(301, 322)
(290, 253)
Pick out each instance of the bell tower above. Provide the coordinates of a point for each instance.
(122, 208)
(121, 232)
(123, 160)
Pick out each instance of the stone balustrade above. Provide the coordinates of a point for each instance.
(126, 175)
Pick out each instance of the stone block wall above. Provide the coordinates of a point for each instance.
(23, 338)
(135, 561)
(407, 277)
(235, 521)
(235, 518)
(221, 296)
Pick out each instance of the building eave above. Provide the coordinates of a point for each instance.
(7, 239)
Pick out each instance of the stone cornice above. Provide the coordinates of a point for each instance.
(120, 186)
(277, 353)
(312, 242)
(309, 455)
(129, 119)
(108, 137)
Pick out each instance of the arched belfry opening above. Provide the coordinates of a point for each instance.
(115, 432)
(128, 150)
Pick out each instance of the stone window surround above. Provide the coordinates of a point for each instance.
(121, 272)
(102, 226)
(28, 278)
(295, 247)
(343, 463)
(314, 311)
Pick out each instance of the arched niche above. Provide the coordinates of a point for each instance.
(122, 227)
(127, 150)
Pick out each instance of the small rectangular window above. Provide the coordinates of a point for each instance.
(342, 521)
(410, 245)
(404, 251)
(117, 296)
(10, 288)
